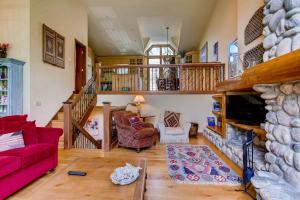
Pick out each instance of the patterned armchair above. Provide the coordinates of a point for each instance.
(129, 136)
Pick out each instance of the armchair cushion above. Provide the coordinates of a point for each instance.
(148, 125)
(144, 133)
(171, 119)
(174, 131)
(136, 123)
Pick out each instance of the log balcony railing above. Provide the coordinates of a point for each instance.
(76, 113)
(196, 78)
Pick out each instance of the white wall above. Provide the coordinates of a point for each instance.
(193, 107)
(15, 30)
(222, 27)
(49, 85)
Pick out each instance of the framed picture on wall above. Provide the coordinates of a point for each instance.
(215, 56)
(59, 51)
(48, 45)
(203, 53)
(53, 47)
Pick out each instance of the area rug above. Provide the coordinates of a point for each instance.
(198, 164)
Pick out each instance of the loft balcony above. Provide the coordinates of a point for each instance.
(196, 78)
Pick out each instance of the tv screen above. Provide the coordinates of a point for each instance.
(246, 109)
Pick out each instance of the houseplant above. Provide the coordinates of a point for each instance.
(3, 50)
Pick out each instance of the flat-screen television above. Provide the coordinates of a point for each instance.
(246, 109)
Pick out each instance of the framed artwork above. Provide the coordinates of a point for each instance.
(53, 47)
(48, 45)
(215, 57)
(60, 51)
(203, 53)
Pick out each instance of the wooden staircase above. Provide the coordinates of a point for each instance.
(76, 111)
(58, 121)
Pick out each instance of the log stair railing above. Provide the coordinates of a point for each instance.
(76, 113)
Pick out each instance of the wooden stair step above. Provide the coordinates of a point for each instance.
(57, 123)
(60, 116)
(61, 142)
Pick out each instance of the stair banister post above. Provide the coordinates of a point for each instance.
(97, 77)
(106, 142)
(68, 126)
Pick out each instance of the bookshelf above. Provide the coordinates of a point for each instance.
(219, 128)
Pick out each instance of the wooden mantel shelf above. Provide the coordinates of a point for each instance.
(281, 69)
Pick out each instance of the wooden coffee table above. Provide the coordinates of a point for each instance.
(97, 183)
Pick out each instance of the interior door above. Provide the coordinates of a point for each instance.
(80, 74)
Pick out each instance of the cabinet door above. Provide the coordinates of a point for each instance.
(4, 92)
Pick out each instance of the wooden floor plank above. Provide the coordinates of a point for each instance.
(159, 184)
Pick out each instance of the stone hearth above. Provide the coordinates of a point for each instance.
(232, 147)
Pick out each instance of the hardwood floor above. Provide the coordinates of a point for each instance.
(159, 185)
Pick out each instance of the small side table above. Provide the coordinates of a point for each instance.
(194, 129)
(146, 117)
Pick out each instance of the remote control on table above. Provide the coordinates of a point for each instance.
(77, 173)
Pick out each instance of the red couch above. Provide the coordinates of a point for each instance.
(19, 167)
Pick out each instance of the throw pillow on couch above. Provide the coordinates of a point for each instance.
(16, 132)
(28, 129)
(11, 141)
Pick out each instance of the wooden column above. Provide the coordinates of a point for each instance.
(97, 78)
(106, 142)
(68, 126)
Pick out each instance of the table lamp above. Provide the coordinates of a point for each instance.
(138, 100)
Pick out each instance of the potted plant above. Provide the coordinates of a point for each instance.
(3, 50)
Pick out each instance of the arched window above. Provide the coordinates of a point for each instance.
(159, 55)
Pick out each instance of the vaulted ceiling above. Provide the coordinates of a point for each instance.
(128, 27)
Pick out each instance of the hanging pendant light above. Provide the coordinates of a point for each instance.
(167, 58)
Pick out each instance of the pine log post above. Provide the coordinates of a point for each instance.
(68, 126)
(106, 142)
(97, 77)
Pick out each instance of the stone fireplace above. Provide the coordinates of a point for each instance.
(281, 179)
(277, 167)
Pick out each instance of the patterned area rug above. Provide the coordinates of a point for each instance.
(198, 164)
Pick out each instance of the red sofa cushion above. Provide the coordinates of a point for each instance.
(22, 118)
(28, 129)
(31, 154)
(8, 165)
